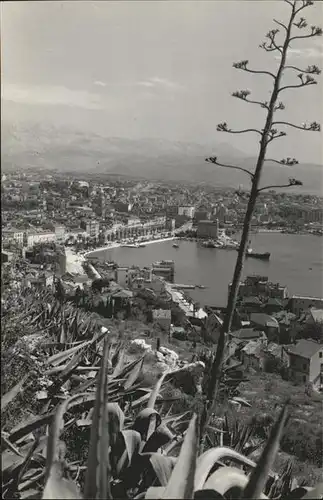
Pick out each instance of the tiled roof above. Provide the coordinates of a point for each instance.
(264, 320)
(253, 348)
(305, 348)
(247, 333)
(251, 300)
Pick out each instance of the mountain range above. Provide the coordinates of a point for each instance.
(66, 150)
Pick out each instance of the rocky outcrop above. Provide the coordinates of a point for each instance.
(185, 375)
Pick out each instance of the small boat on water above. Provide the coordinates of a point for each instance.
(256, 255)
(212, 244)
(175, 245)
(200, 286)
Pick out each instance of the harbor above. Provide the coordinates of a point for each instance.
(292, 258)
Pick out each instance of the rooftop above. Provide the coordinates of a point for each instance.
(305, 348)
(247, 333)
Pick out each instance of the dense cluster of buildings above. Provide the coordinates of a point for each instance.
(54, 208)
(41, 218)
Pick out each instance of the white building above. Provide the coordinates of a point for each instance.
(32, 238)
(12, 236)
(186, 210)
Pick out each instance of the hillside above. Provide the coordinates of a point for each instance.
(64, 150)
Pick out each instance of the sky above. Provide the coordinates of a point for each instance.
(160, 69)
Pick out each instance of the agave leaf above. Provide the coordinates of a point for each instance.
(32, 481)
(32, 493)
(10, 461)
(168, 449)
(147, 421)
(118, 361)
(259, 475)
(141, 400)
(160, 437)
(54, 434)
(163, 467)
(208, 495)
(209, 458)
(181, 483)
(154, 493)
(83, 400)
(175, 418)
(27, 459)
(70, 367)
(5, 443)
(10, 395)
(33, 423)
(128, 368)
(132, 441)
(153, 395)
(98, 467)
(126, 447)
(229, 482)
(59, 357)
(133, 375)
(314, 493)
(242, 401)
(58, 487)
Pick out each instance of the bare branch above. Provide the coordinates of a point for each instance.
(275, 134)
(306, 3)
(290, 3)
(315, 31)
(305, 83)
(223, 127)
(243, 66)
(288, 162)
(312, 127)
(272, 35)
(314, 70)
(213, 159)
(242, 94)
(269, 48)
(292, 182)
(280, 24)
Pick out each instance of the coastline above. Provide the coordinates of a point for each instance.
(117, 245)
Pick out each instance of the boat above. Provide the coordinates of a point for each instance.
(257, 255)
(200, 286)
(212, 244)
(175, 245)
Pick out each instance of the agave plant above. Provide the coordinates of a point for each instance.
(23, 454)
(131, 457)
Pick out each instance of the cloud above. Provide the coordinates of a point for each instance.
(310, 52)
(160, 83)
(50, 95)
(100, 84)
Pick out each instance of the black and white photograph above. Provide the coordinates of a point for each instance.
(161, 249)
